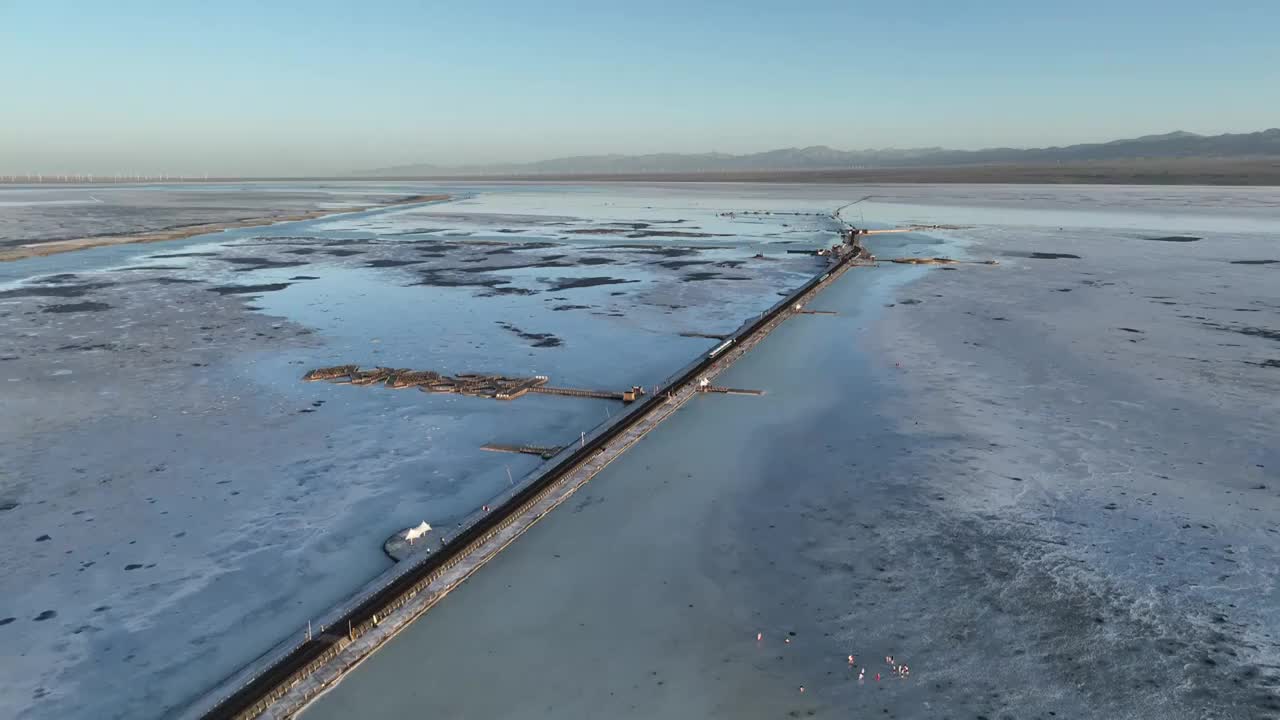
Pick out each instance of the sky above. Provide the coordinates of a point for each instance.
(247, 87)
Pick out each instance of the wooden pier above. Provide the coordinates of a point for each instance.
(625, 396)
(545, 452)
(497, 387)
(728, 390)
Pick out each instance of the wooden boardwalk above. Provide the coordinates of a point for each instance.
(577, 392)
(543, 451)
(728, 390)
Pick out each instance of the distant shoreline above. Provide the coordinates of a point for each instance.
(1186, 171)
(54, 247)
(1240, 172)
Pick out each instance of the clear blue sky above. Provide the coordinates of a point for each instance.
(267, 87)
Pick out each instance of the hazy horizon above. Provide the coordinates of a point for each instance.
(323, 89)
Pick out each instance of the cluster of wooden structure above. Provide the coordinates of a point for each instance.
(546, 452)
(728, 390)
(498, 387)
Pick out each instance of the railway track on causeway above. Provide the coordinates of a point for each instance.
(286, 678)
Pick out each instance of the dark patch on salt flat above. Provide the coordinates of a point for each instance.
(909, 301)
(674, 233)
(1041, 255)
(1173, 238)
(509, 291)
(8, 505)
(43, 538)
(674, 252)
(657, 249)
(677, 264)
(133, 566)
(150, 267)
(1064, 289)
(699, 276)
(1268, 363)
(517, 266)
(249, 264)
(339, 252)
(173, 281)
(304, 277)
(249, 289)
(94, 346)
(562, 308)
(76, 307)
(1246, 330)
(1258, 332)
(46, 615)
(435, 278)
(301, 251)
(1130, 330)
(594, 231)
(392, 263)
(163, 256)
(1254, 262)
(537, 339)
(60, 291)
(570, 283)
(437, 246)
(6, 621)
(418, 231)
(59, 278)
(596, 261)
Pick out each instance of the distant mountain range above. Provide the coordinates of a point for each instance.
(1263, 144)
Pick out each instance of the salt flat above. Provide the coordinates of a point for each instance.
(175, 501)
(1050, 487)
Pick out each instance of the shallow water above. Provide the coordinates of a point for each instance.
(177, 501)
(201, 503)
(1049, 487)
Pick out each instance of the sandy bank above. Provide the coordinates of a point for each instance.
(54, 247)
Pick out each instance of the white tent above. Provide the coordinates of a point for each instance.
(414, 533)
